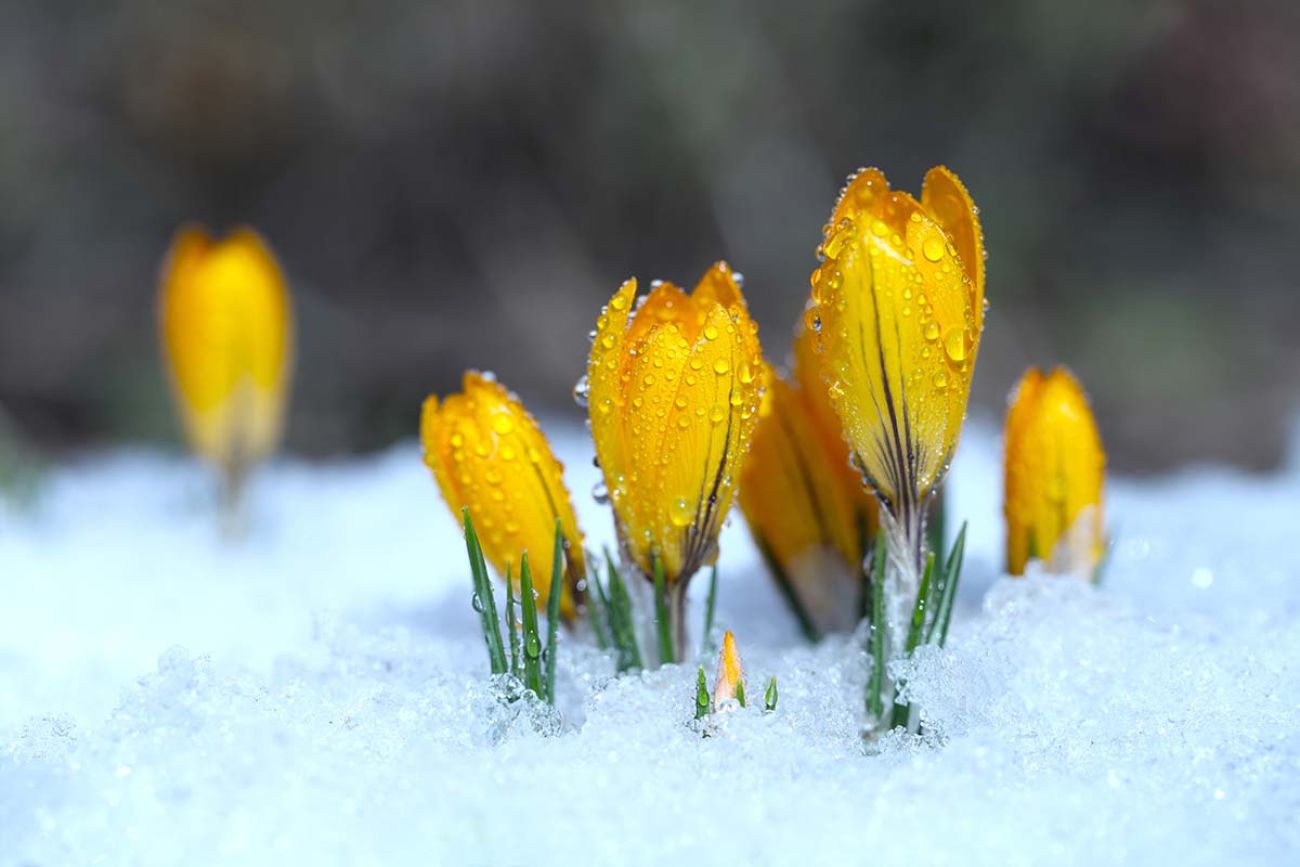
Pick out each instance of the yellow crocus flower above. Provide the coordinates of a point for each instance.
(898, 307)
(226, 323)
(1055, 469)
(488, 454)
(805, 503)
(674, 391)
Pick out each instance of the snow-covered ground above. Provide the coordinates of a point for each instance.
(318, 694)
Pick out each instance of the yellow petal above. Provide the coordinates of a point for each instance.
(806, 505)
(488, 454)
(1055, 471)
(674, 395)
(227, 330)
(948, 203)
(895, 318)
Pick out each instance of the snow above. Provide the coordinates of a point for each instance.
(318, 693)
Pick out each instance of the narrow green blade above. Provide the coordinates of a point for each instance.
(921, 608)
(786, 587)
(662, 627)
(943, 615)
(709, 606)
(621, 621)
(484, 600)
(512, 603)
(597, 610)
(876, 682)
(553, 611)
(902, 712)
(532, 633)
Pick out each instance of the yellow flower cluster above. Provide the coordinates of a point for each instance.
(686, 414)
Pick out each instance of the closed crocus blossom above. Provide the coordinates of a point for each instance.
(674, 391)
(226, 324)
(898, 307)
(805, 503)
(489, 455)
(1055, 471)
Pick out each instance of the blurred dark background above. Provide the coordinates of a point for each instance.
(463, 183)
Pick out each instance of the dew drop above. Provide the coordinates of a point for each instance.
(954, 343)
(932, 247)
(581, 391)
(681, 513)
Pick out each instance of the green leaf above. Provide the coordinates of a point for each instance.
(937, 522)
(709, 605)
(902, 712)
(770, 696)
(553, 611)
(952, 575)
(532, 632)
(662, 627)
(876, 682)
(597, 609)
(622, 625)
(701, 695)
(921, 607)
(511, 621)
(787, 590)
(484, 600)
(740, 692)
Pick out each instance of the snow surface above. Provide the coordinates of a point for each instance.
(318, 694)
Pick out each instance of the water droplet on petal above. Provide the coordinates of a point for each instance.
(932, 247)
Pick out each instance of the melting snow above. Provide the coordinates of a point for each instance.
(318, 693)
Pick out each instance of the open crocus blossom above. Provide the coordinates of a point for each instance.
(674, 391)
(226, 324)
(488, 455)
(1055, 469)
(898, 307)
(805, 503)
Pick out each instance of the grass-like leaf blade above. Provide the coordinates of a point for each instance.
(553, 611)
(485, 601)
(532, 632)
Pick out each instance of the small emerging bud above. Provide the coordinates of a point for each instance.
(730, 682)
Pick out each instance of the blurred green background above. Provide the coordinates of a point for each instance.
(463, 183)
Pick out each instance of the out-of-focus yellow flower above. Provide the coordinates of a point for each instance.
(806, 505)
(489, 455)
(1055, 469)
(729, 683)
(226, 324)
(898, 307)
(674, 392)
